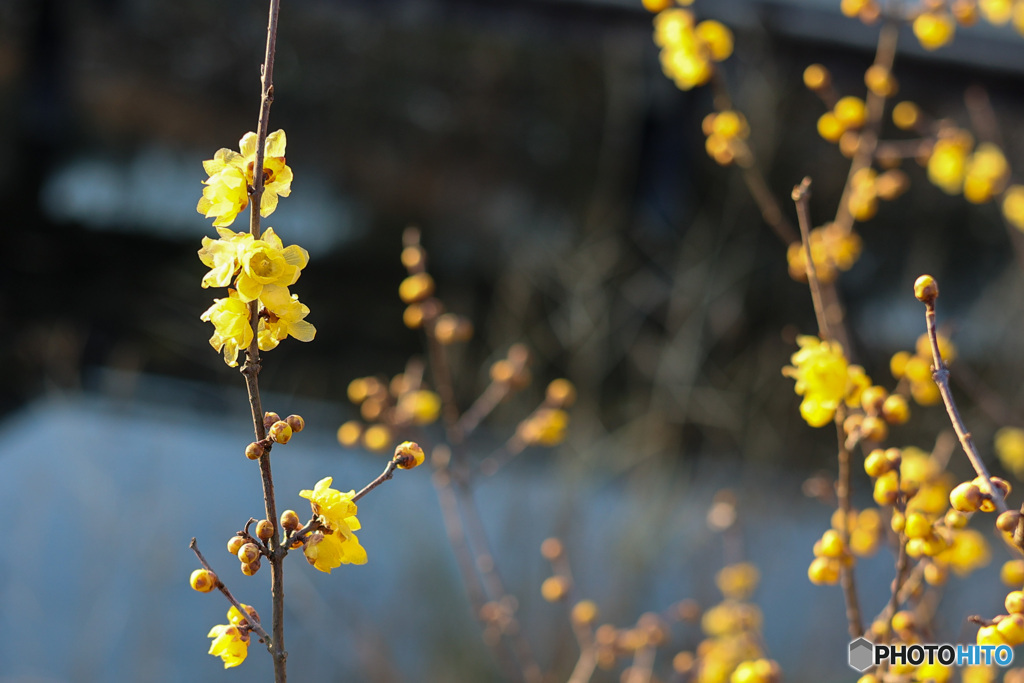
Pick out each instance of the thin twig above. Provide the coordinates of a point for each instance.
(388, 472)
(846, 578)
(251, 368)
(495, 393)
(253, 624)
(940, 373)
(802, 198)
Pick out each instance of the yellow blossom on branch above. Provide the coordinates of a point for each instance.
(231, 178)
(266, 261)
(824, 378)
(283, 317)
(231, 329)
(229, 644)
(336, 544)
(221, 256)
(688, 49)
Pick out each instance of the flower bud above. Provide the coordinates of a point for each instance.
(280, 431)
(296, 423)
(408, 454)
(251, 568)
(926, 289)
(584, 612)
(270, 418)
(254, 451)
(248, 553)
(290, 520)
(555, 588)
(264, 529)
(561, 393)
(234, 543)
(203, 580)
(551, 549)
(416, 288)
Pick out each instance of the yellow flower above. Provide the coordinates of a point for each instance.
(231, 175)
(284, 317)
(986, 173)
(996, 11)
(824, 378)
(226, 193)
(968, 552)
(948, 161)
(687, 50)
(221, 256)
(422, 407)
(934, 29)
(229, 644)
(337, 544)
(231, 329)
(266, 261)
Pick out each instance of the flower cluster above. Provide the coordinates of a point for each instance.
(335, 543)
(726, 132)
(230, 179)
(690, 49)
(824, 378)
(253, 269)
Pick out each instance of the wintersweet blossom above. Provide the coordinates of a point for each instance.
(824, 378)
(266, 261)
(231, 176)
(229, 644)
(232, 331)
(336, 544)
(221, 256)
(284, 317)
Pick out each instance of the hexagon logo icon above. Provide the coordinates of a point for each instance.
(861, 654)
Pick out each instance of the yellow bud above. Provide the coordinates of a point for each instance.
(816, 77)
(254, 450)
(896, 410)
(584, 612)
(413, 316)
(966, 497)
(248, 553)
(561, 393)
(551, 549)
(290, 520)
(203, 580)
(823, 570)
(851, 112)
(408, 455)
(416, 288)
(234, 543)
(280, 431)
(264, 529)
(830, 127)
(1014, 602)
(296, 423)
(251, 568)
(926, 289)
(1012, 573)
(414, 257)
(270, 418)
(898, 363)
(905, 115)
(554, 588)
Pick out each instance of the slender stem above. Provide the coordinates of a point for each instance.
(251, 368)
(940, 373)
(253, 624)
(388, 472)
(846, 578)
(802, 198)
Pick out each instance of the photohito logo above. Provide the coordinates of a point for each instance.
(864, 654)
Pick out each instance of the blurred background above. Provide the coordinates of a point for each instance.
(566, 202)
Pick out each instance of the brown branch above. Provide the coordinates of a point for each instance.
(251, 368)
(388, 473)
(802, 198)
(495, 393)
(940, 373)
(846, 578)
(253, 624)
